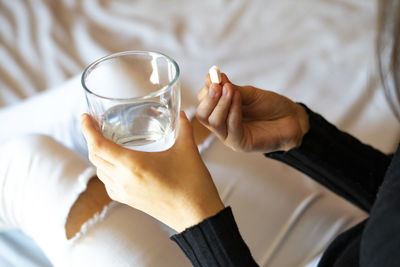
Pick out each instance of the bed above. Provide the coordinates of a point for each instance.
(319, 52)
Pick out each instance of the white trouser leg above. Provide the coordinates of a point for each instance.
(54, 112)
(40, 180)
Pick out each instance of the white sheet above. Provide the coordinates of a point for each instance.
(319, 52)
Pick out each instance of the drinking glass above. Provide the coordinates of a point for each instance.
(134, 97)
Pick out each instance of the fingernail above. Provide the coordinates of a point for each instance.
(213, 92)
(224, 90)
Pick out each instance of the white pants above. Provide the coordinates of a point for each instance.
(40, 181)
(285, 218)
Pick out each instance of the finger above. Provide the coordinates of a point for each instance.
(208, 80)
(224, 79)
(202, 93)
(248, 93)
(89, 130)
(204, 90)
(185, 130)
(208, 103)
(234, 121)
(218, 118)
(98, 144)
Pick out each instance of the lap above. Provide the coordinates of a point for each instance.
(279, 211)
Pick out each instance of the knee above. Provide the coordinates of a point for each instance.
(39, 176)
(17, 158)
(27, 145)
(42, 150)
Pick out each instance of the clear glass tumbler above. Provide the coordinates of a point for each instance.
(135, 98)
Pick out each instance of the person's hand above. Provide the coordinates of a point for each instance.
(249, 119)
(173, 186)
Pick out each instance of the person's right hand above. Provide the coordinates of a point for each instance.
(246, 118)
(173, 186)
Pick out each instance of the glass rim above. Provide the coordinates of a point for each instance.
(92, 65)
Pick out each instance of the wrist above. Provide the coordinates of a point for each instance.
(304, 120)
(198, 213)
(301, 128)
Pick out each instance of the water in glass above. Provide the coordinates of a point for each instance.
(145, 126)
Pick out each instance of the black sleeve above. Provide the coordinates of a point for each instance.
(216, 241)
(338, 161)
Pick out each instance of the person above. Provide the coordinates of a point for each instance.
(51, 193)
(249, 119)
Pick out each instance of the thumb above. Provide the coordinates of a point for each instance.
(97, 143)
(185, 130)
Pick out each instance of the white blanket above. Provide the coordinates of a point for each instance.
(319, 52)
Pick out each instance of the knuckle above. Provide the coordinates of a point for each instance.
(213, 123)
(139, 168)
(235, 144)
(216, 122)
(202, 116)
(133, 165)
(229, 85)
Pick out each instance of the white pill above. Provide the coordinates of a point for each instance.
(215, 74)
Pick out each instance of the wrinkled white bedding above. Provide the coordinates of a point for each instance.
(319, 52)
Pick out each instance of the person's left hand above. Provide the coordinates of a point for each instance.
(173, 186)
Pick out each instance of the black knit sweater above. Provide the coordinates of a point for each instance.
(357, 172)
